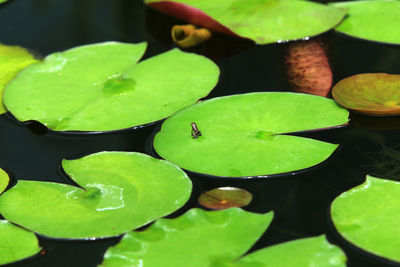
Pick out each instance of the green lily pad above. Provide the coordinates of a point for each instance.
(263, 21)
(4, 180)
(367, 216)
(247, 135)
(16, 243)
(201, 238)
(13, 59)
(217, 238)
(370, 93)
(120, 191)
(225, 197)
(372, 20)
(100, 87)
(312, 251)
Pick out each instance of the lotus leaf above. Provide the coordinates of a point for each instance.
(4, 180)
(100, 87)
(16, 243)
(376, 20)
(263, 21)
(119, 191)
(12, 60)
(370, 93)
(225, 197)
(217, 238)
(367, 216)
(247, 135)
(198, 237)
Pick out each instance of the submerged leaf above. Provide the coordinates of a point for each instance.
(198, 237)
(247, 135)
(16, 243)
(120, 191)
(4, 180)
(263, 21)
(374, 20)
(217, 238)
(13, 59)
(100, 87)
(187, 35)
(367, 216)
(225, 197)
(370, 93)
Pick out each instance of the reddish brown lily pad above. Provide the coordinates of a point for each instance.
(370, 93)
(225, 198)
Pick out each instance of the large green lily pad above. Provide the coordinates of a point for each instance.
(12, 60)
(4, 180)
(367, 216)
(16, 243)
(247, 135)
(198, 237)
(263, 21)
(370, 93)
(120, 191)
(100, 87)
(217, 238)
(372, 20)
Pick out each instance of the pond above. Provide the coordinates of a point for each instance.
(368, 145)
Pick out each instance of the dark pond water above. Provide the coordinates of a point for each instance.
(301, 202)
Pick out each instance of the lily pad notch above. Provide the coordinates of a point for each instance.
(101, 87)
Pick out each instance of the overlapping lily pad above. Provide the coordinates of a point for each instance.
(12, 60)
(370, 93)
(16, 243)
(374, 20)
(367, 216)
(247, 135)
(4, 180)
(263, 21)
(100, 87)
(120, 191)
(217, 238)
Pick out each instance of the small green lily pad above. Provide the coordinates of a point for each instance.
(367, 216)
(120, 191)
(225, 197)
(4, 180)
(374, 20)
(13, 59)
(247, 135)
(100, 87)
(201, 238)
(16, 243)
(263, 21)
(217, 238)
(370, 93)
(312, 251)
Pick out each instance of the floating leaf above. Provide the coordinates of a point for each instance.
(225, 197)
(308, 68)
(4, 180)
(16, 243)
(198, 237)
(367, 216)
(375, 20)
(120, 191)
(246, 135)
(370, 93)
(263, 21)
(217, 238)
(313, 251)
(12, 60)
(101, 88)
